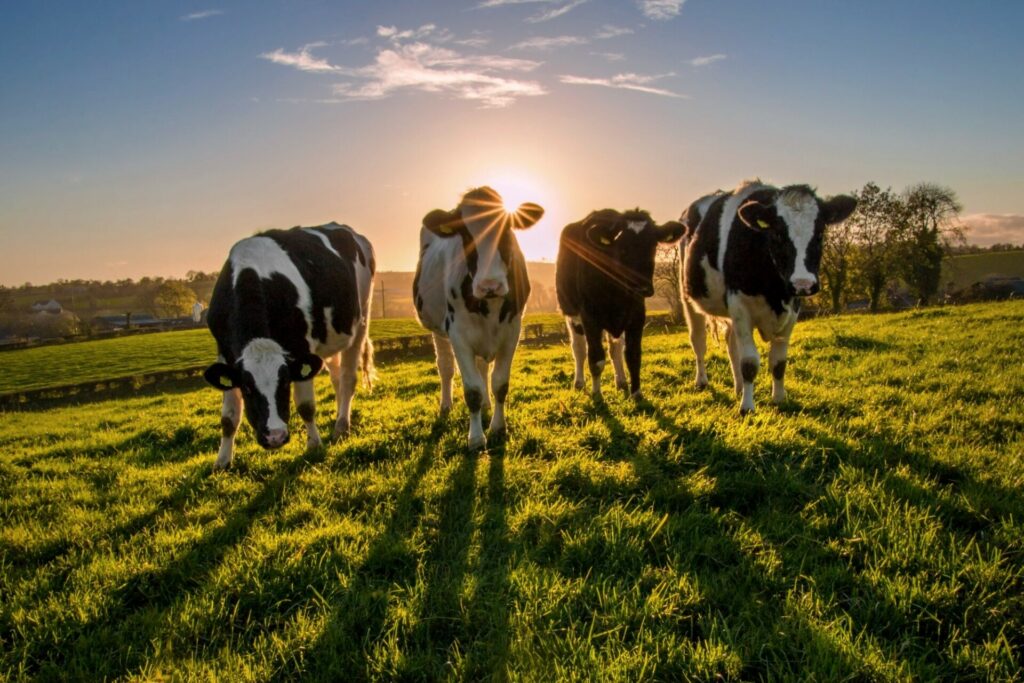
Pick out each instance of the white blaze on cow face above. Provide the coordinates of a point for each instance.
(265, 362)
(485, 219)
(799, 211)
(636, 226)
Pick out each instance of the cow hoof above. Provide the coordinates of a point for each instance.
(701, 384)
(221, 466)
(637, 396)
(746, 411)
(445, 410)
(622, 386)
(339, 435)
(578, 385)
(477, 444)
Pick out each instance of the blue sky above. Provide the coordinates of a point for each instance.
(145, 138)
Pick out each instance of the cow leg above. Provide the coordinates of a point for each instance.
(345, 385)
(305, 403)
(615, 349)
(473, 389)
(445, 369)
(777, 362)
(230, 417)
(579, 348)
(499, 380)
(750, 359)
(734, 359)
(595, 355)
(484, 368)
(634, 348)
(696, 325)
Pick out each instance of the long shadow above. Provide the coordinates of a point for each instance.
(102, 646)
(488, 653)
(164, 387)
(357, 613)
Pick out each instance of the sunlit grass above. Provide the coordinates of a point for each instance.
(869, 529)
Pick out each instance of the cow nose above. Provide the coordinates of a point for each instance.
(647, 291)
(276, 438)
(804, 285)
(489, 288)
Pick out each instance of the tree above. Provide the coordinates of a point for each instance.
(170, 299)
(876, 229)
(838, 259)
(6, 301)
(930, 229)
(667, 267)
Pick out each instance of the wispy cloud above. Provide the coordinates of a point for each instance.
(303, 60)
(205, 14)
(549, 42)
(608, 31)
(629, 81)
(421, 67)
(554, 12)
(610, 56)
(987, 229)
(660, 10)
(499, 3)
(709, 59)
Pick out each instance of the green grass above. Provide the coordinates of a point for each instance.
(94, 361)
(870, 529)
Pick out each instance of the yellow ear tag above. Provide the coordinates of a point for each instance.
(763, 224)
(605, 241)
(307, 370)
(225, 381)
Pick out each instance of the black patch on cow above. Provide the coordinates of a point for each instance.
(500, 393)
(474, 399)
(508, 309)
(451, 310)
(748, 369)
(779, 370)
(447, 324)
(307, 411)
(227, 426)
(419, 302)
(454, 294)
(577, 328)
(469, 251)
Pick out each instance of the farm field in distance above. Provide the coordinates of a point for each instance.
(870, 528)
(95, 361)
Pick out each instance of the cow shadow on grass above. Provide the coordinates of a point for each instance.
(755, 586)
(361, 640)
(121, 636)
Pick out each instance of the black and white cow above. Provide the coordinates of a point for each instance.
(605, 268)
(748, 257)
(470, 290)
(286, 303)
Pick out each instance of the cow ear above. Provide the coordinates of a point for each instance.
(221, 376)
(757, 216)
(527, 215)
(671, 232)
(604, 234)
(302, 369)
(442, 223)
(837, 209)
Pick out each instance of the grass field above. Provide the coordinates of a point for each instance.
(94, 361)
(870, 529)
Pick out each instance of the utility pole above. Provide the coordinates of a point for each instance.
(383, 307)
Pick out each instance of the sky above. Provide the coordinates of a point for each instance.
(145, 138)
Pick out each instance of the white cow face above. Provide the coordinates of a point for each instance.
(264, 374)
(794, 224)
(485, 227)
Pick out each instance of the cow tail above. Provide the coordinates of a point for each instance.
(366, 363)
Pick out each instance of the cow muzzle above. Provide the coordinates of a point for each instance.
(274, 438)
(487, 289)
(804, 286)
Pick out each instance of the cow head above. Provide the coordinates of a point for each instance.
(793, 220)
(264, 374)
(485, 227)
(629, 243)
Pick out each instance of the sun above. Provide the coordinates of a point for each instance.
(517, 187)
